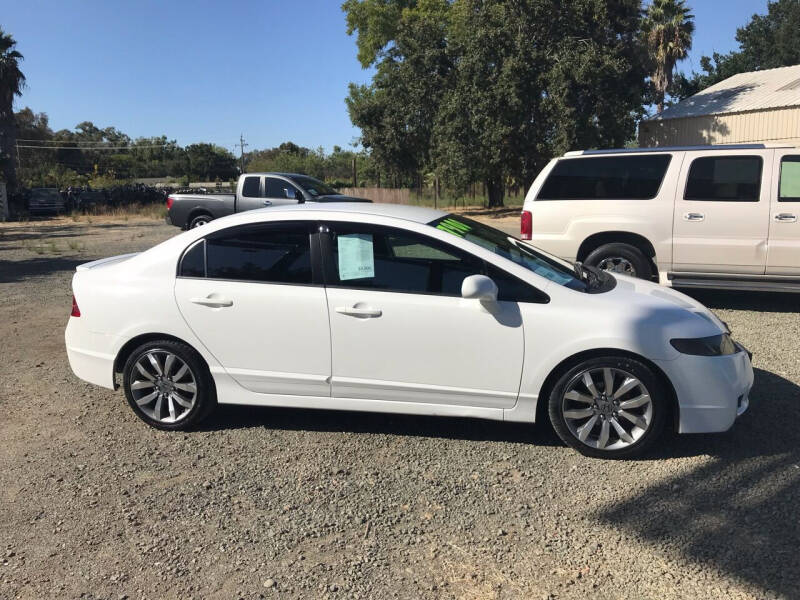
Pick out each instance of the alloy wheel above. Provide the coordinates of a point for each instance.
(163, 386)
(607, 408)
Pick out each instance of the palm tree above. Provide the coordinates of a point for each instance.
(11, 83)
(667, 27)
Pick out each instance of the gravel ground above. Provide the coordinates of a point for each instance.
(275, 503)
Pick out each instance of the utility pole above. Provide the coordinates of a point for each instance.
(242, 146)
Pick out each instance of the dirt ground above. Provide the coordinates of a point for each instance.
(276, 503)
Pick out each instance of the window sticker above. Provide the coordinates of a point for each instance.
(454, 227)
(356, 256)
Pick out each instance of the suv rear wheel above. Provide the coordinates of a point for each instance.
(621, 258)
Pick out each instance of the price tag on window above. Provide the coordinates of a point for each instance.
(356, 256)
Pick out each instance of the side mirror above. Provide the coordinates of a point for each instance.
(289, 193)
(479, 287)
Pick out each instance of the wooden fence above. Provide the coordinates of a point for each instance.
(380, 195)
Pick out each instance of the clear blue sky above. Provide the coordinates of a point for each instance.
(274, 70)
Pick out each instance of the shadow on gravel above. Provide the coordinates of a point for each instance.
(755, 301)
(738, 513)
(70, 230)
(235, 417)
(19, 270)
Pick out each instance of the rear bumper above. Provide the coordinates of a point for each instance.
(712, 390)
(91, 356)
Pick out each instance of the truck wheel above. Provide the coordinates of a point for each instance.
(199, 221)
(621, 258)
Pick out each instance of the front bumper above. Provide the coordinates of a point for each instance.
(711, 390)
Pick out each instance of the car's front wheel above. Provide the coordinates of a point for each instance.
(608, 407)
(168, 385)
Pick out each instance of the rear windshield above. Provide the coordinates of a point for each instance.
(606, 178)
(511, 248)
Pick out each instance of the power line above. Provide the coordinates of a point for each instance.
(242, 147)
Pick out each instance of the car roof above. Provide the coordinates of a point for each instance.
(417, 214)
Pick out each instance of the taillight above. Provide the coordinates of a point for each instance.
(76, 312)
(170, 200)
(526, 225)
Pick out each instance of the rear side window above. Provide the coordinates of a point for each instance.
(789, 190)
(724, 179)
(251, 187)
(267, 253)
(606, 178)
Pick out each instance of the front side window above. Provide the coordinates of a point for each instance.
(279, 188)
(394, 260)
(789, 190)
(267, 253)
(627, 177)
(724, 179)
(251, 187)
(383, 258)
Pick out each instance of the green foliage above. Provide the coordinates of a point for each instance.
(335, 167)
(766, 42)
(487, 90)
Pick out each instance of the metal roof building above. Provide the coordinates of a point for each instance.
(760, 106)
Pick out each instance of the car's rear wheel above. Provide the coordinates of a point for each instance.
(168, 385)
(199, 221)
(621, 258)
(608, 407)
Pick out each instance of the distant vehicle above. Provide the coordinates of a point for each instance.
(46, 201)
(90, 199)
(400, 309)
(722, 217)
(254, 190)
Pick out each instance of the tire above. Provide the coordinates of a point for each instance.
(172, 407)
(621, 258)
(199, 221)
(574, 407)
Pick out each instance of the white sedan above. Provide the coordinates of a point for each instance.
(402, 310)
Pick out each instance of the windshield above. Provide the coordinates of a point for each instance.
(509, 247)
(314, 186)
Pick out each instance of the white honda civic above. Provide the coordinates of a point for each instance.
(403, 310)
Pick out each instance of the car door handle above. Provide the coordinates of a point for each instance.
(355, 311)
(267, 202)
(212, 301)
(694, 216)
(786, 217)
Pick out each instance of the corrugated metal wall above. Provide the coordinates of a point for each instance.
(777, 126)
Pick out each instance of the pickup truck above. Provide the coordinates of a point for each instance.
(253, 190)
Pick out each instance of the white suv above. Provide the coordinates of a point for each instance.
(713, 216)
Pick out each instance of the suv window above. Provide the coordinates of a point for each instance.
(789, 190)
(251, 187)
(606, 178)
(724, 179)
(270, 253)
(393, 260)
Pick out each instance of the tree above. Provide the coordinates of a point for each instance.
(766, 42)
(667, 28)
(12, 82)
(488, 90)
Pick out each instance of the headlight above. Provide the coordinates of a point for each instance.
(716, 345)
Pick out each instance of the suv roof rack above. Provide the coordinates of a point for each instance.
(678, 148)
